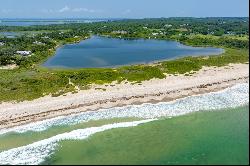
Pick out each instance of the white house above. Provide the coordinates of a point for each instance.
(38, 43)
(45, 37)
(120, 32)
(168, 25)
(24, 53)
(1, 43)
(155, 34)
(183, 25)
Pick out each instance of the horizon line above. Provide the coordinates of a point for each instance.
(123, 17)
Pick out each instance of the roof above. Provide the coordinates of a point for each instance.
(24, 52)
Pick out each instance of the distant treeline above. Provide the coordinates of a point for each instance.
(222, 41)
(221, 32)
(217, 25)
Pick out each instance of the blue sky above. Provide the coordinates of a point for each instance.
(122, 8)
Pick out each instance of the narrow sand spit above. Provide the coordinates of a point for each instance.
(209, 79)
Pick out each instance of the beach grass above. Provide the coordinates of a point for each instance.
(28, 84)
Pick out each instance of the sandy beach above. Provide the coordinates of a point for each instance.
(208, 79)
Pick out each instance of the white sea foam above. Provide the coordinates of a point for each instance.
(36, 153)
(235, 96)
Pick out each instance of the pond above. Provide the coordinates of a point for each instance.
(99, 52)
(10, 34)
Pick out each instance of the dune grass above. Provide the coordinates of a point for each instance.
(28, 84)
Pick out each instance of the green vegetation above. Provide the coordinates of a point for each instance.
(31, 81)
(28, 84)
(188, 64)
(209, 40)
(42, 45)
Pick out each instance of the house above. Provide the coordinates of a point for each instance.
(168, 25)
(1, 43)
(38, 43)
(24, 53)
(155, 34)
(120, 32)
(183, 25)
(45, 37)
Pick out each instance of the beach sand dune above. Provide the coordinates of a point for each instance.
(208, 79)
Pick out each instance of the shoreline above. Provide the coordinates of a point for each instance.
(208, 79)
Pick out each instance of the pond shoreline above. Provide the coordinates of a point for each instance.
(209, 79)
(104, 52)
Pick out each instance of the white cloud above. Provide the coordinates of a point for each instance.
(127, 11)
(65, 9)
(68, 9)
(84, 10)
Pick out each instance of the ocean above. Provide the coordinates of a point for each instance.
(34, 22)
(211, 128)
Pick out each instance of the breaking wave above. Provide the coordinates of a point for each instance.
(235, 96)
(37, 152)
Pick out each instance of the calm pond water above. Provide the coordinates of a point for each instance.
(10, 34)
(109, 52)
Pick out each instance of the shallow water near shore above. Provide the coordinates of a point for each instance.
(200, 138)
(217, 137)
(215, 130)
